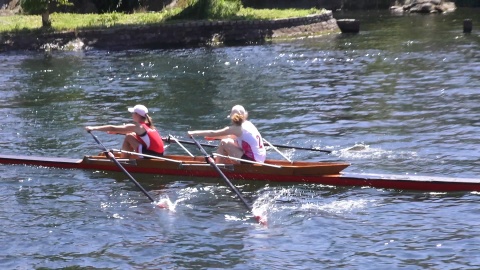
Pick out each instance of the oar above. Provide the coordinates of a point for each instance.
(210, 161)
(112, 157)
(278, 151)
(248, 161)
(181, 145)
(276, 145)
(169, 138)
(148, 156)
(302, 148)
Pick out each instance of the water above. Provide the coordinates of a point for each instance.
(406, 86)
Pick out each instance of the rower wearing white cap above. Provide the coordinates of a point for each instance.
(140, 136)
(240, 140)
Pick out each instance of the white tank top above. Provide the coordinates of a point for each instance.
(251, 142)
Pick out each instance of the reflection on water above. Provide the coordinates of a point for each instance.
(406, 88)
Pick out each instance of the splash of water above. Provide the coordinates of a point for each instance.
(303, 201)
(336, 207)
(363, 151)
(166, 203)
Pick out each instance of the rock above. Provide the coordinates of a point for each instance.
(9, 7)
(424, 6)
(349, 25)
(396, 10)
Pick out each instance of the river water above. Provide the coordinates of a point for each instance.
(406, 87)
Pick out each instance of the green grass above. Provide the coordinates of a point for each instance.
(70, 22)
(270, 14)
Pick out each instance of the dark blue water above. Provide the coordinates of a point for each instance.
(406, 87)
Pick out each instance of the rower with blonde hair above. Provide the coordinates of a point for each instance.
(239, 140)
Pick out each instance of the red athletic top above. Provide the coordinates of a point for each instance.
(151, 140)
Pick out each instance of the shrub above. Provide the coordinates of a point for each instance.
(210, 9)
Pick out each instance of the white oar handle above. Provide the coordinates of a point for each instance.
(247, 161)
(149, 156)
(278, 151)
(181, 145)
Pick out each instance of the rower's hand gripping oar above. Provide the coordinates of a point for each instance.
(112, 157)
(211, 161)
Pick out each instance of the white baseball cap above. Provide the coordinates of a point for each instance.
(139, 109)
(237, 109)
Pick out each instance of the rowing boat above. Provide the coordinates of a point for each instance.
(272, 170)
(326, 173)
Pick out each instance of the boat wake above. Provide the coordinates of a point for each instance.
(282, 204)
(363, 151)
(336, 207)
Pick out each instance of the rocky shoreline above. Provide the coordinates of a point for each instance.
(187, 34)
(425, 6)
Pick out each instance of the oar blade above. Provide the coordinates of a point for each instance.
(211, 161)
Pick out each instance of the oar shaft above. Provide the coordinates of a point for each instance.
(276, 145)
(210, 160)
(248, 161)
(149, 156)
(181, 145)
(278, 151)
(112, 157)
(170, 138)
(302, 148)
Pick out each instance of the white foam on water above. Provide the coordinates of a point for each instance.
(337, 207)
(166, 203)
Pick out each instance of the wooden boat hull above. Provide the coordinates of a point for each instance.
(326, 173)
(191, 166)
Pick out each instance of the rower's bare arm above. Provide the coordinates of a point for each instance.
(215, 134)
(115, 129)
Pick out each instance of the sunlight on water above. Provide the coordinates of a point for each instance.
(166, 203)
(336, 207)
(356, 147)
(260, 212)
(117, 216)
(275, 152)
(403, 94)
(232, 218)
(184, 194)
(278, 204)
(188, 193)
(367, 152)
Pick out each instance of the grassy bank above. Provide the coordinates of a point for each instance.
(68, 22)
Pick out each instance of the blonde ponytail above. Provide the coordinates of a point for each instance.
(238, 119)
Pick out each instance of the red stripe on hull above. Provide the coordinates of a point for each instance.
(401, 182)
